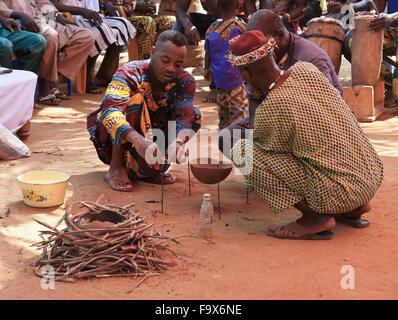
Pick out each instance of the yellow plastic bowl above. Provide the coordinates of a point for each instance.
(43, 188)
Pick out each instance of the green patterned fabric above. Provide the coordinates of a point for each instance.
(307, 145)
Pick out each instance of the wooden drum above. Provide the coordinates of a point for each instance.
(367, 46)
(328, 34)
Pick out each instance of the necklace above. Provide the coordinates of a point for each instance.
(276, 80)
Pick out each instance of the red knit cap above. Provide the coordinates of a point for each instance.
(250, 47)
(247, 42)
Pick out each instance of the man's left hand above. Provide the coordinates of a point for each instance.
(381, 22)
(11, 25)
(63, 20)
(176, 152)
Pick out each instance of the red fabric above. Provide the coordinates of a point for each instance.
(248, 42)
(241, 11)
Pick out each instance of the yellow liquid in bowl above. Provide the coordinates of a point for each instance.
(43, 177)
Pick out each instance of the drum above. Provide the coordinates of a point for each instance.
(328, 34)
(367, 46)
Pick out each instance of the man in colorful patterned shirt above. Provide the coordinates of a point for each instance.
(143, 96)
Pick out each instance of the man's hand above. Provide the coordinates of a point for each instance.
(60, 18)
(381, 22)
(147, 149)
(92, 16)
(176, 152)
(11, 25)
(192, 35)
(28, 24)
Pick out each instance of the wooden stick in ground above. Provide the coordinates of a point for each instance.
(189, 174)
(161, 182)
(139, 283)
(218, 189)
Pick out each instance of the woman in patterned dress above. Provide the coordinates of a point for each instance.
(231, 89)
(307, 149)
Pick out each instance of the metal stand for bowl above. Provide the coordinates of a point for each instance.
(218, 189)
(189, 174)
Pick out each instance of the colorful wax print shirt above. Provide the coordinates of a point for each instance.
(218, 35)
(308, 145)
(128, 105)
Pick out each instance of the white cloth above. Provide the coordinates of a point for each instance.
(92, 5)
(17, 93)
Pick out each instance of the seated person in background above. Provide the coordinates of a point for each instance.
(389, 22)
(290, 11)
(112, 34)
(145, 95)
(194, 25)
(314, 10)
(74, 43)
(231, 89)
(142, 14)
(307, 149)
(28, 47)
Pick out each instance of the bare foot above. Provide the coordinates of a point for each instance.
(318, 229)
(118, 180)
(211, 97)
(167, 179)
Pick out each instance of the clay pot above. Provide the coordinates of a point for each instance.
(210, 173)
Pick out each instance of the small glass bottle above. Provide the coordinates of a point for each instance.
(206, 217)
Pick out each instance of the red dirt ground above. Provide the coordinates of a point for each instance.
(243, 264)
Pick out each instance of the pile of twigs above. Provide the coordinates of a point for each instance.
(103, 241)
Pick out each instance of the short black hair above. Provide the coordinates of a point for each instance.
(174, 36)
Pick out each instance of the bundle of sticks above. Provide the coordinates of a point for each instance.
(103, 241)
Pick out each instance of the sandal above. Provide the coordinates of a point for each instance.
(298, 232)
(111, 182)
(92, 88)
(59, 94)
(49, 100)
(354, 223)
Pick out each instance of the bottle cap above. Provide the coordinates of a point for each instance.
(206, 196)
